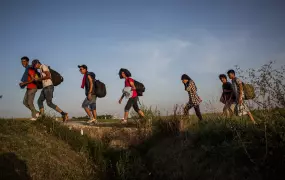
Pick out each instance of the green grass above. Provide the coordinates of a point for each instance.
(217, 149)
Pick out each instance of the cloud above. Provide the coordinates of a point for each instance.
(159, 64)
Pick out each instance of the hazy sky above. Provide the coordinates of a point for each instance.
(157, 41)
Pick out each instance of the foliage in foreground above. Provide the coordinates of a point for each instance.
(216, 149)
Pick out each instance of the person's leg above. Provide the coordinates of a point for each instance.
(232, 109)
(136, 107)
(41, 101)
(49, 96)
(85, 106)
(92, 106)
(187, 108)
(127, 109)
(31, 97)
(251, 117)
(225, 110)
(244, 110)
(198, 112)
(94, 113)
(25, 100)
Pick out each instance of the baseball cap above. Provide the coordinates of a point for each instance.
(83, 66)
(34, 62)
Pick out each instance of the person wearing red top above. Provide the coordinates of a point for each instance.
(131, 93)
(29, 97)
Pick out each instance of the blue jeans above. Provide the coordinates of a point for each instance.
(46, 94)
(90, 104)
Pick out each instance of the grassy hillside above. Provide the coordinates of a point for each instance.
(178, 148)
(27, 151)
(217, 148)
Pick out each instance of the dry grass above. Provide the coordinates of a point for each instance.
(44, 156)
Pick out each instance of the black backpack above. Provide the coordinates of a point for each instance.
(140, 88)
(100, 89)
(56, 78)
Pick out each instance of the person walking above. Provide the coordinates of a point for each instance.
(228, 97)
(28, 82)
(241, 107)
(88, 82)
(129, 92)
(48, 89)
(194, 100)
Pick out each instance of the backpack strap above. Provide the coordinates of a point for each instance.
(130, 82)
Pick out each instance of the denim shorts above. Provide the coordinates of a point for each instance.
(90, 104)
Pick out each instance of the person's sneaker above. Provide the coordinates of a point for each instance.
(92, 121)
(33, 119)
(37, 115)
(124, 121)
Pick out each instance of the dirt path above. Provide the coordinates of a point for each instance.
(113, 133)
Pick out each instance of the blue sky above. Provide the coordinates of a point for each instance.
(156, 40)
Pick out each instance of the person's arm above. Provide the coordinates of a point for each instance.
(121, 99)
(32, 76)
(25, 83)
(192, 87)
(91, 84)
(240, 91)
(91, 87)
(133, 85)
(47, 73)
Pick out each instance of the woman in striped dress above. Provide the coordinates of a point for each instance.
(194, 99)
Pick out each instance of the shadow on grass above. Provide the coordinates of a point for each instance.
(12, 168)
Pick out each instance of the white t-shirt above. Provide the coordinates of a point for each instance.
(128, 92)
(46, 82)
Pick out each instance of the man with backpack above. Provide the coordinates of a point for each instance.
(48, 89)
(238, 89)
(228, 97)
(88, 82)
(28, 81)
(131, 92)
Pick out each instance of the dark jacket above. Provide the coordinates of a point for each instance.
(87, 83)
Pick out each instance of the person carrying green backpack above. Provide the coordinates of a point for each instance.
(241, 95)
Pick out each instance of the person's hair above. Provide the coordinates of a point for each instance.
(83, 66)
(127, 73)
(25, 58)
(35, 61)
(231, 72)
(185, 76)
(222, 76)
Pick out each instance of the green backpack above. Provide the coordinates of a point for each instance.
(248, 90)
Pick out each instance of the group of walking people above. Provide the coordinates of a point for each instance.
(232, 97)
